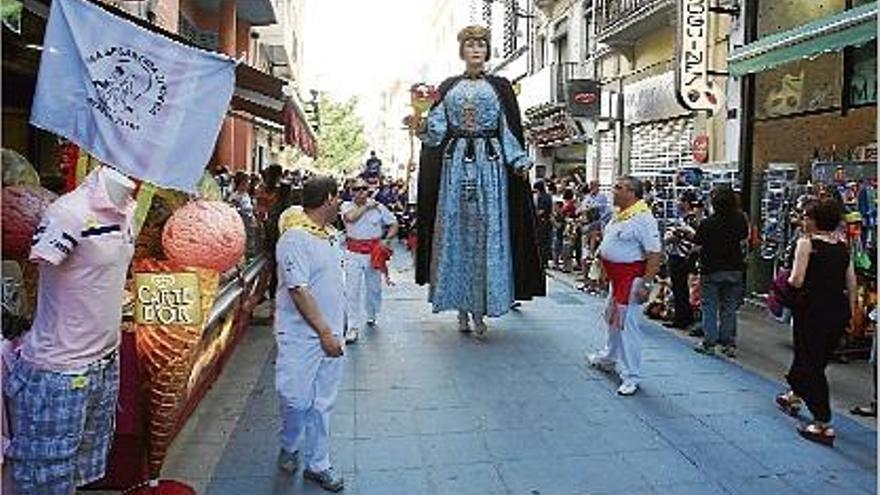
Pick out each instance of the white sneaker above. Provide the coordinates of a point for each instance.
(600, 363)
(371, 322)
(351, 335)
(627, 388)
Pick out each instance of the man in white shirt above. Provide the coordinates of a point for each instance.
(630, 256)
(309, 317)
(365, 221)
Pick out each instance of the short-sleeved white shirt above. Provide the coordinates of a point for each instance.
(306, 260)
(370, 224)
(84, 244)
(630, 240)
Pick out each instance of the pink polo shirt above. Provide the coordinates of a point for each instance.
(84, 245)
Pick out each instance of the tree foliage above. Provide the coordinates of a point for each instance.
(341, 139)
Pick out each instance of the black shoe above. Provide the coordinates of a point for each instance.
(697, 332)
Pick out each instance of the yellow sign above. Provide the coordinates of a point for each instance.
(167, 299)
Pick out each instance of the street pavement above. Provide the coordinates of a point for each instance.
(766, 346)
(424, 409)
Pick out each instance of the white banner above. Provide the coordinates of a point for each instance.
(147, 105)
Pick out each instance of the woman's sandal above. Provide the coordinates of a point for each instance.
(789, 403)
(816, 432)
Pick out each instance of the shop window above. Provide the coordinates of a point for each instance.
(861, 75)
(781, 15)
(800, 86)
(540, 51)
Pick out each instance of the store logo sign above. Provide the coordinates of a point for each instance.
(695, 87)
(167, 299)
(583, 97)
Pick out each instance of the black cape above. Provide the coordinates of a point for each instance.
(528, 273)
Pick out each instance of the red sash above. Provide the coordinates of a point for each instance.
(361, 246)
(379, 254)
(621, 276)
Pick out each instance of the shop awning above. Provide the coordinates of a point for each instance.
(848, 28)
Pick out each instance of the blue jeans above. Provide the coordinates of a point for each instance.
(722, 292)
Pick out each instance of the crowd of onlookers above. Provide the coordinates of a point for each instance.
(571, 214)
(261, 198)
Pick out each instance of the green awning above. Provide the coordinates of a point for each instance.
(851, 27)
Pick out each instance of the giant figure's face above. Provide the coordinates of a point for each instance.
(474, 51)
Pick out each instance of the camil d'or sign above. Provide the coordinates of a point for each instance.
(167, 299)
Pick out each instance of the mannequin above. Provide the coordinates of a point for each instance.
(119, 187)
(83, 246)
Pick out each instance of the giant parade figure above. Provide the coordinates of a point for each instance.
(476, 220)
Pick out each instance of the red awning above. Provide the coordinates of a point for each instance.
(261, 95)
(297, 131)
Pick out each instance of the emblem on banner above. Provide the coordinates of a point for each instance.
(128, 85)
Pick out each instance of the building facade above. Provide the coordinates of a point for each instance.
(257, 124)
(806, 75)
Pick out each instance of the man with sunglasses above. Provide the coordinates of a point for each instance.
(365, 222)
(630, 256)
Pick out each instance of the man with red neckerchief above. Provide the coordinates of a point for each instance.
(630, 257)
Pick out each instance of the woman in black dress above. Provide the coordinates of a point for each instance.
(825, 280)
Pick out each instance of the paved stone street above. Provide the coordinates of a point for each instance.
(426, 410)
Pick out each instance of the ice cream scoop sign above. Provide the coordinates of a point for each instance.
(167, 299)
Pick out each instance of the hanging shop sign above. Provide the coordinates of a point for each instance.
(167, 299)
(584, 98)
(700, 148)
(695, 84)
(650, 100)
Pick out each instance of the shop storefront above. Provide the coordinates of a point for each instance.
(812, 72)
(660, 129)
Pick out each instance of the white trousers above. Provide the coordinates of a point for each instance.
(307, 383)
(363, 289)
(624, 347)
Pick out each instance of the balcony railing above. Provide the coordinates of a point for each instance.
(616, 16)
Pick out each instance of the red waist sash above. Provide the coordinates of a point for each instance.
(361, 246)
(379, 254)
(621, 276)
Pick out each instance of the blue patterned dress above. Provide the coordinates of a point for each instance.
(471, 260)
